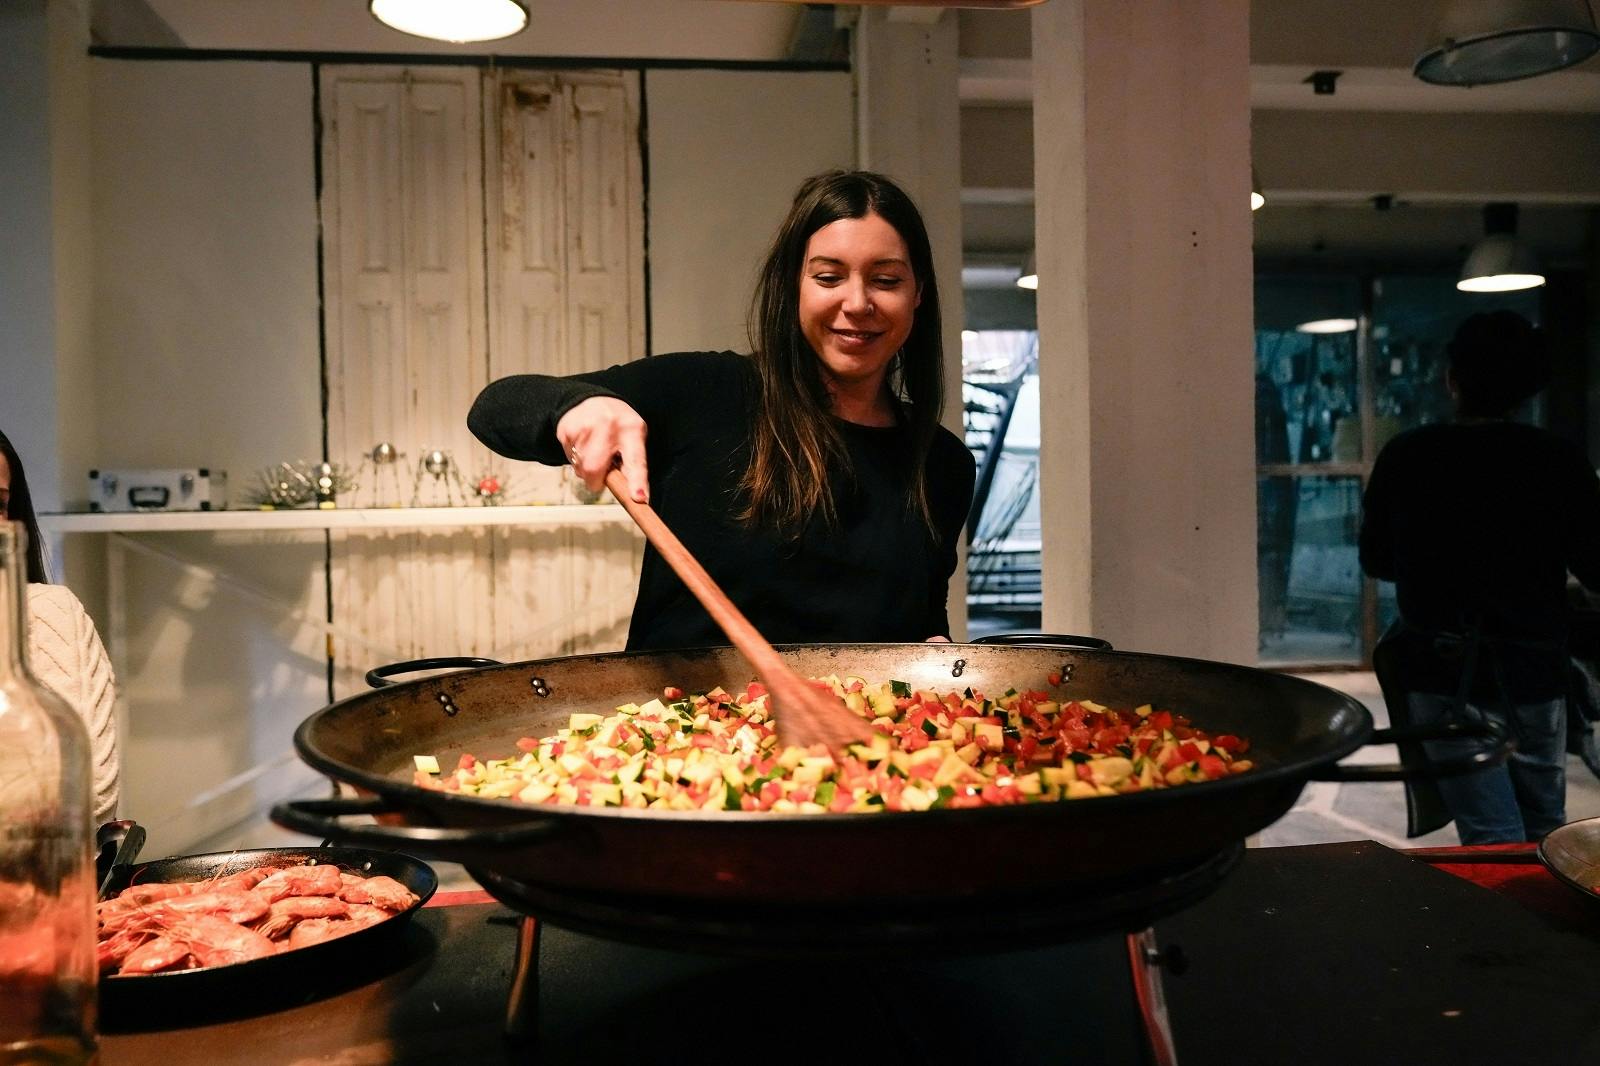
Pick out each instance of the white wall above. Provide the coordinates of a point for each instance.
(206, 269)
(27, 286)
(727, 149)
(206, 354)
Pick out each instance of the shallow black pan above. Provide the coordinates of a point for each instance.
(127, 1001)
(1572, 853)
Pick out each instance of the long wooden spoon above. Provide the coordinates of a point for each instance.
(802, 713)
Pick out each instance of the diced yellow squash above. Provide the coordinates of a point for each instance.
(915, 799)
(426, 764)
(580, 722)
(1110, 770)
(954, 769)
(605, 794)
(990, 737)
(1029, 785)
(1079, 790)
(806, 775)
(969, 753)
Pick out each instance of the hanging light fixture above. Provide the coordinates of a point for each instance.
(1480, 42)
(1029, 278)
(456, 21)
(1256, 199)
(1500, 262)
(1328, 325)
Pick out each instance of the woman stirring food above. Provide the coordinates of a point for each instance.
(812, 478)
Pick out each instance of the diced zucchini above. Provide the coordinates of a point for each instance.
(426, 764)
(990, 736)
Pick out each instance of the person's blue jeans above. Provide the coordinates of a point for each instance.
(1523, 798)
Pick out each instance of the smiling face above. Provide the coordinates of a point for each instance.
(858, 298)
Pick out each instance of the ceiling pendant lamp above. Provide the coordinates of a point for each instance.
(1500, 262)
(1481, 42)
(1029, 278)
(1257, 201)
(456, 21)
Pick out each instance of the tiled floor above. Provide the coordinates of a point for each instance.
(1326, 813)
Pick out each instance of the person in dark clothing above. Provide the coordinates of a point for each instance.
(1477, 522)
(812, 478)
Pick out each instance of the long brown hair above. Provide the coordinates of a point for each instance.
(794, 443)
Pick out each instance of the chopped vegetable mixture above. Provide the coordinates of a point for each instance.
(715, 751)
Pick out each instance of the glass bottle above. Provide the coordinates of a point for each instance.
(47, 887)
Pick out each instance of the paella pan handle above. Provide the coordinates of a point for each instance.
(378, 676)
(1046, 640)
(320, 818)
(1499, 747)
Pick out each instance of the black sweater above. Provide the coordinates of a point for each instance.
(878, 575)
(1477, 524)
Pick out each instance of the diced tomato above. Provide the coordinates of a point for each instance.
(1182, 732)
(1084, 773)
(466, 762)
(1160, 720)
(915, 740)
(1213, 766)
(754, 690)
(1228, 743)
(527, 744)
(771, 792)
(1053, 677)
(1188, 750)
(671, 693)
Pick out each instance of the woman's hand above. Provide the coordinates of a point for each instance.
(937, 640)
(595, 433)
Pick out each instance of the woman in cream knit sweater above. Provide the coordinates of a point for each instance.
(64, 651)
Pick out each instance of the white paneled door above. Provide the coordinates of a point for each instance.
(475, 224)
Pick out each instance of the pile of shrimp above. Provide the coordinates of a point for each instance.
(185, 925)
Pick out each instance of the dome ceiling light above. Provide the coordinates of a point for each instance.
(1029, 278)
(1500, 262)
(456, 21)
(1482, 42)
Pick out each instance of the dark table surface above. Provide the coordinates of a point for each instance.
(1326, 954)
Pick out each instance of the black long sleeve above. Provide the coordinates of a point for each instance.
(877, 575)
(1478, 525)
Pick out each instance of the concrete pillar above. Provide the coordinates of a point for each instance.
(908, 126)
(1142, 179)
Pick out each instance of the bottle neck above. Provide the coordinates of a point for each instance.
(13, 599)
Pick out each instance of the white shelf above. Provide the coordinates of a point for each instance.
(338, 518)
